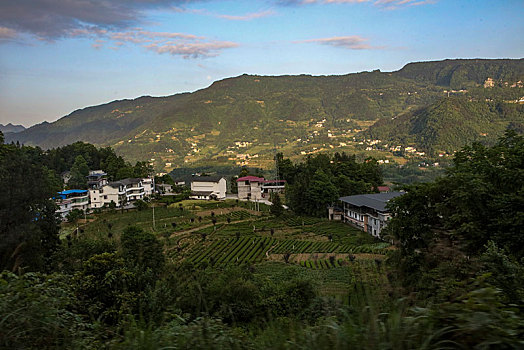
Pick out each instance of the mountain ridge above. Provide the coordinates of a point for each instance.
(271, 111)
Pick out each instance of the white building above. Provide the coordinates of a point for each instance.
(78, 199)
(250, 187)
(64, 207)
(149, 186)
(208, 187)
(134, 189)
(110, 192)
(367, 211)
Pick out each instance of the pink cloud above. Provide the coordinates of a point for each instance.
(192, 49)
(7, 33)
(352, 42)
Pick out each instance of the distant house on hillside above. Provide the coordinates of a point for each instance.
(383, 189)
(250, 187)
(149, 186)
(273, 186)
(134, 189)
(366, 211)
(255, 188)
(76, 199)
(208, 187)
(164, 188)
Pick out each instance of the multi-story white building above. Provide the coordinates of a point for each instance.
(250, 187)
(110, 192)
(149, 186)
(208, 187)
(366, 211)
(79, 199)
(64, 207)
(134, 189)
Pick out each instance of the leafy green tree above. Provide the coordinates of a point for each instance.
(442, 228)
(28, 224)
(74, 215)
(141, 205)
(106, 290)
(320, 194)
(142, 249)
(276, 209)
(79, 172)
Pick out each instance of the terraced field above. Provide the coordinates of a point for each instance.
(301, 247)
(220, 234)
(233, 251)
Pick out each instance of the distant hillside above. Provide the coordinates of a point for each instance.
(247, 116)
(463, 74)
(449, 124)
(11, 128)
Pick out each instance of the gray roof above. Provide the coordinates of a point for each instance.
(130, 181)
(375, 201)
(115, 184)
(206, 178)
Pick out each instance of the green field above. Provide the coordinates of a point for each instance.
(217, 234)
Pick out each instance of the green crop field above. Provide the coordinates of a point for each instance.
(219, 234)
(232, 251)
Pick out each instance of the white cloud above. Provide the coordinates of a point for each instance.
(352, 42)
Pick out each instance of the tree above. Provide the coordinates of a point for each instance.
(276, 209)
(321, 193)
(141, 205)
(442, 228)
(28, 224)
(74, 215)
(142, 249)
(79, 172)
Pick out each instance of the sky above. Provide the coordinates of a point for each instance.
(57, 56)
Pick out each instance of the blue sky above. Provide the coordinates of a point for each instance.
(60, 55)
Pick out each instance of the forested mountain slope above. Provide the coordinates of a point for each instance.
(268, 111)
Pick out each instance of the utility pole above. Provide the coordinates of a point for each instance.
(154, 228)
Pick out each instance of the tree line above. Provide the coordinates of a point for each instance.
(320, 180)
(456, 277)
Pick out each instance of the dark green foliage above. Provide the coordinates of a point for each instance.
(37, 313)
(233, 103)
(106, 290)
(319, 181)
(79, 172)
(276, 209)
(74, 215)
(443, 227)
(69, 260)
(140, 205)
(449, 124)
(142, 249)
(28, 224)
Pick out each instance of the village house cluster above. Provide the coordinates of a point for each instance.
(101, 193)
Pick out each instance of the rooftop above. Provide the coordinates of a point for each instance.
(73, 192)
(251, 179)
(130, 181)
(206, 178)
(377, 201)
